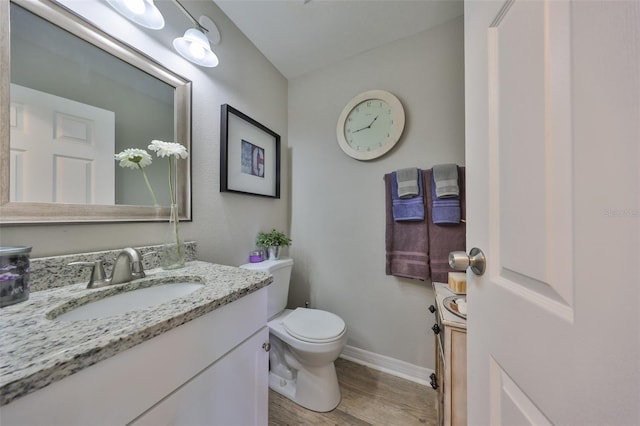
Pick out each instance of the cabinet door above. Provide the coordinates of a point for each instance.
(234, 390)
(455, 399)
(440, 380)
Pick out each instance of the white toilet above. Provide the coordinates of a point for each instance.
(304, 344)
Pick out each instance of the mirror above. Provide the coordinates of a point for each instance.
(73, 97)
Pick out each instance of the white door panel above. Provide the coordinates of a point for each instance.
(532, 231)
(509, 405)
(552, 147)
(69, 144)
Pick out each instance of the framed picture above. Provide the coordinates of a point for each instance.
(249, 155)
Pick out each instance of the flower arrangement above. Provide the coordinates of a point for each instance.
(135, 158)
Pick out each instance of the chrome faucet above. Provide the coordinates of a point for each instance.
(128, 267)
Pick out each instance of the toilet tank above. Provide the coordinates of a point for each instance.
(278, 290)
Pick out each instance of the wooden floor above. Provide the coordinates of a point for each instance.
(369, 397)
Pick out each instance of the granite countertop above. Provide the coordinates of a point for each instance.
(36, 351)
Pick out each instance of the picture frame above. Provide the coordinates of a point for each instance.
(249, 155)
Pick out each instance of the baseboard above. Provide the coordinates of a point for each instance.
(388, 365)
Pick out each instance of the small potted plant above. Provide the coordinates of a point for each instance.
(272, 241)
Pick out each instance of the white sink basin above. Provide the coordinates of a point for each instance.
(129, 301)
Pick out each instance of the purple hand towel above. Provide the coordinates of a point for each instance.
(407, 209)
(444, 239)
(444, 211)
(406, 243)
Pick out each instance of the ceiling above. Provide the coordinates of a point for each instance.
(300, 36)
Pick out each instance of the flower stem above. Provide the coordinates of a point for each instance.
(174, 206)
(153, 195)
(172, 180)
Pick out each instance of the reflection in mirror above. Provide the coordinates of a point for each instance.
(77, 97)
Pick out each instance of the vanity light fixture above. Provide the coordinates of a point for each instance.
(193, 45)
(142, 12)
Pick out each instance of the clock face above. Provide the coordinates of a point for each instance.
(370, 124)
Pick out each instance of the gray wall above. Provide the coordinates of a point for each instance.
(225, 225)
(338, 203)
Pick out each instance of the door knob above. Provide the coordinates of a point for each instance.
(460, 261)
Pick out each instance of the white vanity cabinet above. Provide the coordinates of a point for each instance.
(212, 370)
(237, 398)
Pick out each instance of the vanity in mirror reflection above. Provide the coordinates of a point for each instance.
(76, 97)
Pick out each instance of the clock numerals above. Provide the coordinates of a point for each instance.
(370, 124)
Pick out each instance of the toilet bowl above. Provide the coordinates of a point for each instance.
(303, 370)
(304, 345)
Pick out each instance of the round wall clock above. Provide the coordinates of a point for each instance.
(370, 124)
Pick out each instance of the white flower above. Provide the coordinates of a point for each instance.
(167, 149)
(133, 158)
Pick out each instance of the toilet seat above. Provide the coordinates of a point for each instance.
(314, 325)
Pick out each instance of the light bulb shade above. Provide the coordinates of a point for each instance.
(142, 12)
(195, 47)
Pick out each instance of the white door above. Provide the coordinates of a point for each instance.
(61, 150)
(553, 183)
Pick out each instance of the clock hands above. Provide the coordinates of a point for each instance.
(367, 127)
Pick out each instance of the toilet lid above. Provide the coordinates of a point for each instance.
(313, 325)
